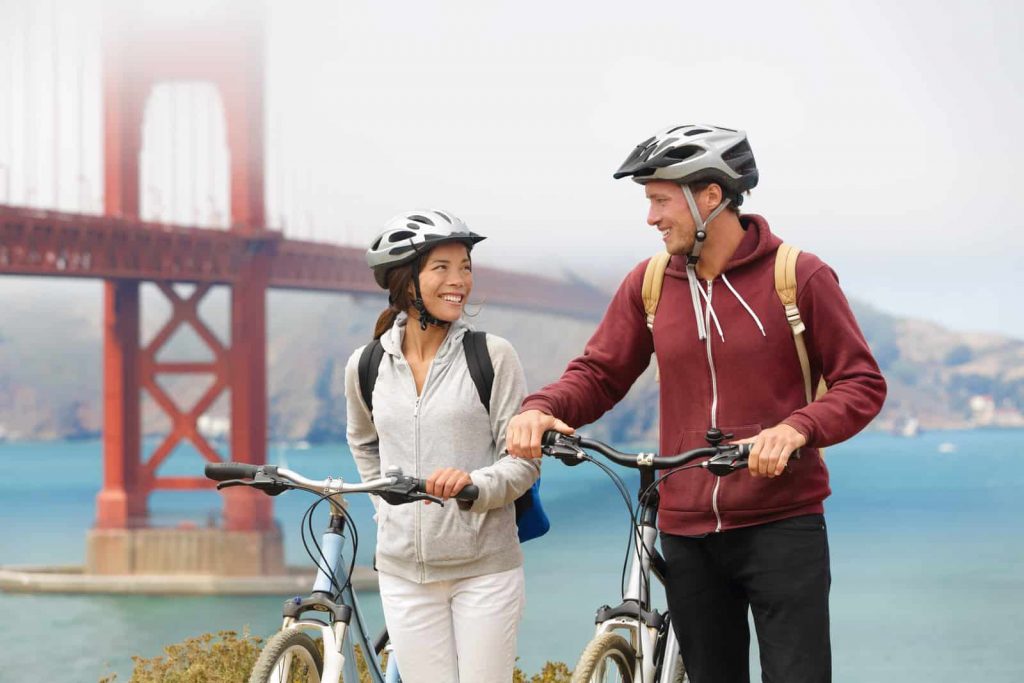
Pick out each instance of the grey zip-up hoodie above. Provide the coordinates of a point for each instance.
(445, 426)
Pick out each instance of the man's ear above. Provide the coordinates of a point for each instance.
(712, 196)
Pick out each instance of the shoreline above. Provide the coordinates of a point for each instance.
(72, 580)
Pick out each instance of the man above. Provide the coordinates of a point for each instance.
(728, 370)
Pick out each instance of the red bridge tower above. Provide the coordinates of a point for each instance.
(225, 47)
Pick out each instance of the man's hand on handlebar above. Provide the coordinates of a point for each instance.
(771, 450)
(526, 430)
(446, 483)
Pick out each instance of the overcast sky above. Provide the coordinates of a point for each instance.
(887, 133)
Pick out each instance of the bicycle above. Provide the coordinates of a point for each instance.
(648, 652)
(291, 654)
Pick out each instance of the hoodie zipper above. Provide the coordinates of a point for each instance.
(416, 459)
(714, 402)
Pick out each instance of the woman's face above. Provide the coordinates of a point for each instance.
(446, 279)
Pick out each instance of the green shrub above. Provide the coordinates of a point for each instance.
(228, 658)
(207, 658)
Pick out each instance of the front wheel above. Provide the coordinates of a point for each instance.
(289, 656)
(680, 672)
(608, 658)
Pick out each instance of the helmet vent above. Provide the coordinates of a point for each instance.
(696, 131)
(400, 235)
(684, 152)
(737, 151)
(443, 215)
(401, 249)
(421, 219)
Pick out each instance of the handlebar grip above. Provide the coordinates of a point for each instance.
(744, 449)
(223, 471)
(549, 437)
(469, 492)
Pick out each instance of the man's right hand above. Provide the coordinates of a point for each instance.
(525, 431)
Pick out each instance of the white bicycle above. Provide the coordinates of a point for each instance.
(330, 610)
(633, 642)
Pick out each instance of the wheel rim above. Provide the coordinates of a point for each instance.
(293, 663)
(612, 669)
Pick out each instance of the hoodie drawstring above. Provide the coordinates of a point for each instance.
(744, 304)
(700, 312)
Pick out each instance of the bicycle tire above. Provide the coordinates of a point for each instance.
(605, 649)
(276, 663)
(681, 676)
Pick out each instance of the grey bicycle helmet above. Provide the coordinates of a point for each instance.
(694, 153)
(412, 233)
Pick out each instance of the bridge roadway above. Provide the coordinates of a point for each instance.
(55, 244)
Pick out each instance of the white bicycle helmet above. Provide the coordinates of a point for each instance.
(692, 154)
(410, 234)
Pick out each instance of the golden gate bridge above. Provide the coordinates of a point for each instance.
(172, 192)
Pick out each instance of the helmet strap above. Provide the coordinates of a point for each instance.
(421, 308)
(701, 234)
(700, 224)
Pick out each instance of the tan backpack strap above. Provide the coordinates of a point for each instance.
(654, 277)
(785, 286)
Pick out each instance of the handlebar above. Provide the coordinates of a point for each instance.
(394, 487)
(721, 460)
(225, 471)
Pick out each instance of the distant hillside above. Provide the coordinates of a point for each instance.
(51, 366)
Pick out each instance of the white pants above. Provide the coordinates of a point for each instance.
(451, 631)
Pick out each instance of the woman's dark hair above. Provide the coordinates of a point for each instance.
(399, 299)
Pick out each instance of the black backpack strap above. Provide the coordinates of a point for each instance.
(369, 366)
(480, 367)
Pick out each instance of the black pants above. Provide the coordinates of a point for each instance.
(781, 572)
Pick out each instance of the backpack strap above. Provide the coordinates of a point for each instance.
(478, 358)
(369, 366)
(785, 287)
(531, 520)
(654, 277)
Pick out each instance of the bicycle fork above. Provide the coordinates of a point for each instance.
(649, 633)
(339, 651)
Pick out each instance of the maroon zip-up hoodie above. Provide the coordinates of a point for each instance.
(745, 383)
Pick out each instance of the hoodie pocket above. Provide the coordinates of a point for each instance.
(450, 535)
(396, 530)
(699, 491)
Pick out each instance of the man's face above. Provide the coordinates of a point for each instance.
(670, 214)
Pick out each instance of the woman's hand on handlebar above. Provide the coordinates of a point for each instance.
(526, 430)
(446, 483)
(771, 450)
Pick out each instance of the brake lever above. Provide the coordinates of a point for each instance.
(568, 454)
(267, 485)
(403, 498)
(404, 491)
(424, 496)
(726, 462)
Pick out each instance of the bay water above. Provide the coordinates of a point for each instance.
(926, 536)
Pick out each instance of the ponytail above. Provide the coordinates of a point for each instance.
(385, 321)
(399, 281)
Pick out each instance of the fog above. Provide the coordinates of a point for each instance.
(886, 133)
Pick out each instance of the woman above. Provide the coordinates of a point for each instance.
(451, 578)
